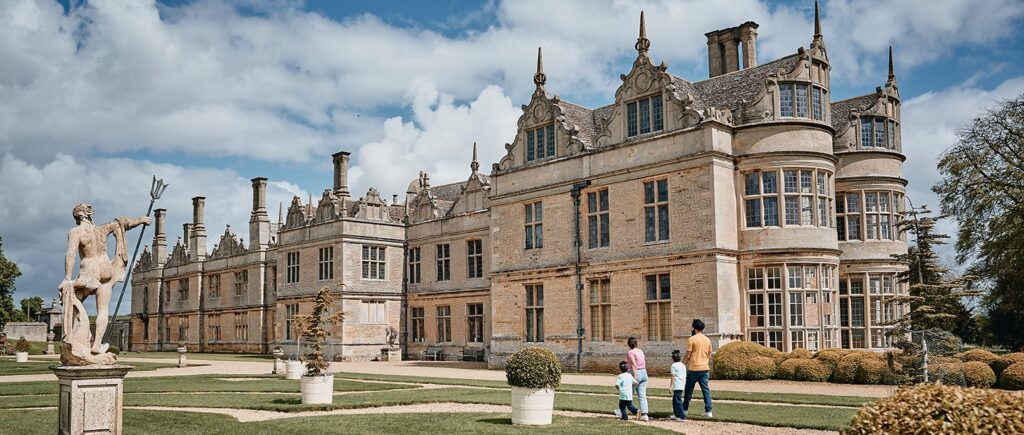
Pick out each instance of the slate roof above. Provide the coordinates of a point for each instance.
(448, 192)
(582, 118)
(841, 109)
(727, 90)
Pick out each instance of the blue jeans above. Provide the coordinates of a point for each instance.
(693, 378)
(624, 405)
(641, 389)
(677, 404)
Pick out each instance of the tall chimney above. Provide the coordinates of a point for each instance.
(197, 244)
(259, 222)
(341, 174)
(160, 238)
(186, 234)
(724, 48)
(748, 39)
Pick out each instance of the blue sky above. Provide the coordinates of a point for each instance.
(97, 96)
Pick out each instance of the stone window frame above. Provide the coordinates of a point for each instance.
(656, 210)
(775, 284)
(443, 261)
(653, 107)
(474, 258)
(873, 138)
(240, 283)
(444, 323)
(658, 306)
(374, 260)
(600, 309)
(417, 319)
(475, 322)
(809, 198)
(292, 260)
(816, 104)
(533, 320)
(373, 312)
(213, 286)
(865, 210)
(598, 218)
(415, 265)
(879, 303)
(182, 289)
(242, 326)
(533, 225)
(214, 327)
(540, 142)
(183, 328)
(325, 263)
(290, 311)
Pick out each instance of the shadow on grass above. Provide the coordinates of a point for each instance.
(497, 421)
(287, 401)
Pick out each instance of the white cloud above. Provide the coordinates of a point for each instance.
(36, 203)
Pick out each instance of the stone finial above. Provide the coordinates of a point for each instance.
(540, 78)
(817, 21)
(642, 43)
(892, 71)
(474, 165)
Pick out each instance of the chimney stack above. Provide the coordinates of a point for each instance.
(186, 234)
(724, 48)
(259, 222)
(197, 244)
(160, 238)
(341, 174)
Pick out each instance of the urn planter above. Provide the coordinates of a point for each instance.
(293, 370)
(532, 406)
(21, 356)
(317, 389)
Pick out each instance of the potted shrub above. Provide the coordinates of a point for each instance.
(317, 385)
(21, 350)
(533, 373)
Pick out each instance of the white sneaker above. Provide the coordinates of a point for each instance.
(673, 418)
(644, 418)
(618, 413)
(708, 414)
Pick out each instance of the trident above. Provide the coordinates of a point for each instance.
(155, 191)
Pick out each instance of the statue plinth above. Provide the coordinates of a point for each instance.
(90, 399)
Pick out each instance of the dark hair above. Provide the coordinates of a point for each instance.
(698, 325)
(631, 342)
(676, 357)
(623, 367)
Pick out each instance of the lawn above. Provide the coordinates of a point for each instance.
(200, 356)
(38, 366)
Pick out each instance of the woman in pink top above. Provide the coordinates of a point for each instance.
(638, 366)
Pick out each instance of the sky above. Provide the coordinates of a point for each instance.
(97, 97)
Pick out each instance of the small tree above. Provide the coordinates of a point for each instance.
(6, 347)
(313, 327)
(22, 345)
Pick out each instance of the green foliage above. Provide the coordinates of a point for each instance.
(1005, 361)
(982, 186)
(830, 356)
(738, 360)
(313, 327)
(8, 274)
(22, 345)
(1013, 377)
(533, 367)
(31, 306)
(941, 409)
(978, 374)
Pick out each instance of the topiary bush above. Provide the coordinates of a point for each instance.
(787, 370)
(1013, 377)
(1005, 361)
(978, 374)
(809, 370)
(830, 356)
(941, 409)
(846, 369)
(947, 372)
(978, 355)
(22, 345)
(533, 367)
(736, 361)
(870, 371)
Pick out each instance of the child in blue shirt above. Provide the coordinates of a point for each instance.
(678, 382)
(624, 384)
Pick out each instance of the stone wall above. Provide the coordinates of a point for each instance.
(32, 331)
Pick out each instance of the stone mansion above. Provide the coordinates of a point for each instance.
(751, 200)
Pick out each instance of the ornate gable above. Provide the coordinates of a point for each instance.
(296, 214)
(425, 207)
(228, 246)
(371, 207)
(179, 255)
(329, 208)
(145, 261)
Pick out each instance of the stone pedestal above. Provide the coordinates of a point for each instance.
(279, 368)
(49, 343)
(182, 361)
(90, 399)
(391, 354)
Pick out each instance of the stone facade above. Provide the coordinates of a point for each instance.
(749, 200)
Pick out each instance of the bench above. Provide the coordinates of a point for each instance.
(472, 354)
(433, 353)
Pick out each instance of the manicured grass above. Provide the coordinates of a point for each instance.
(173, 423)
(200, 356)
(38, 366)
(202, 383)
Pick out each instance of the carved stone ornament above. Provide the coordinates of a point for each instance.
(145, 261)
(541, 111)
(179, 255)
(228, 246)
(371, 207)
(296, 216)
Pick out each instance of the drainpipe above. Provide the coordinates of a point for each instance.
(575, 192)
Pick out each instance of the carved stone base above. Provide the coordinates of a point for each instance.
(69, 356)
(90, 399)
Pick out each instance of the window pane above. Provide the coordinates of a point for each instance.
(662, 222)
(752, 187)
(771, 211)
(631, 119)
(801, 101)
(865, 133)
(649, 224)
(530, 146)
(645, 116)
(648, 192)
(753, 213)
(657, 113)
(550, 142)
(892, 134)
(790, 181)
(786, 99)
(792, 210)
(879, 132)
(662, 190)
(817, 102)
(769, 182)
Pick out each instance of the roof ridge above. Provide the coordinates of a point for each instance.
(746, 69)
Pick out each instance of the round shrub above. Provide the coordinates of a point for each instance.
(22, 345)
(533, 367)
(1005, 361)
(941, 409)
(1013, 377)
(787, 370)
(978, 374)
(736, 361)
(830, 357)
(870, 371)
(947, 372)
(978, 355)
(798, 353)
(810, 370)
(847, 368)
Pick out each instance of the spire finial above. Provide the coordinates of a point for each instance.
(642, 43)
(817, 20)
(540, 78)
(892, 71)
(474, 165)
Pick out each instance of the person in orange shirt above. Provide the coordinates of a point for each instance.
(698, 355)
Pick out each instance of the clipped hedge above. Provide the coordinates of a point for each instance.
(981, 355)
(533, 367)
(746, 361)
(830, 356)
(1013, 377)
(1005, 361)
(978, 374)
(809, 370)
(848, 367)
(941, 409)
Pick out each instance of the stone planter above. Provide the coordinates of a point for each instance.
(182, 361)
(278, 362)
(293, 370)
(21, 356)
(317, 389)
(532, 406)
